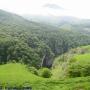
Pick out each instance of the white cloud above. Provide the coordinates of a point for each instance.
(78, 8)
(23, 6)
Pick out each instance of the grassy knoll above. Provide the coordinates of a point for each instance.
(16, 75)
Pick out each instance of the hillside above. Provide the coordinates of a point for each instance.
(24, 40)
(44, 45)
(44, 56)
(16, 75)
(63, 22)
(17, 23)
(76, 62)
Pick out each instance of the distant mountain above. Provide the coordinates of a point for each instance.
(62, 22)
(13, 22)
(52, 19)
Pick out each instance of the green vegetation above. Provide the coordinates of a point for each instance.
(19, 76)
(74, 63)
(34, 43)
(33, 70)
(42, 56)
(45, 72)
(16, 75)
(80, 66)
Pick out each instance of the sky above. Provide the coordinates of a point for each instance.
(76, 8)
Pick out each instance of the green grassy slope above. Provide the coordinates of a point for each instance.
(17, 75)
(79, 56)
(82, 58)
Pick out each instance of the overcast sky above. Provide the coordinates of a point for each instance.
(77, 8)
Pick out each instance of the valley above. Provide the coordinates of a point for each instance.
(43, 55)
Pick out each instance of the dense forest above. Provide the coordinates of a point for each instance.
(35, 43)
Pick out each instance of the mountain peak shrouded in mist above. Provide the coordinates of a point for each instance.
(54, 6)
(53, 20)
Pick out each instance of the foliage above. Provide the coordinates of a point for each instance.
(80, 66)
(18, 75)
(45, 72)
(73, 63)
(31, 42)
(33, 70)
(36, 45)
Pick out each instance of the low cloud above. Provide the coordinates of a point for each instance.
(54, 6)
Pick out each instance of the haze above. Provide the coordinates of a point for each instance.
(76, 8)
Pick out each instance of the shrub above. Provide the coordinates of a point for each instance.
(86, 71)
(45, 72)
(74, 71)
(33, 70)
(78, 70)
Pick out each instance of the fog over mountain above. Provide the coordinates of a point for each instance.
(62, 22)
(53, 6)
(75, 8)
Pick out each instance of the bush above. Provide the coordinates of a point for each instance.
(78, 70)
(74, 71)
(33, 70)
(45, 72)
(86, 71)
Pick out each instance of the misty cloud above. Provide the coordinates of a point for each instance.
(54, 6)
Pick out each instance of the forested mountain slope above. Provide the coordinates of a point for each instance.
(35, 43)
(63, 22)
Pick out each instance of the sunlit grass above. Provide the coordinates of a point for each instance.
(18, 75)
(83, 59)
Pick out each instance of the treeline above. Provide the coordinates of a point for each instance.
(38, 49)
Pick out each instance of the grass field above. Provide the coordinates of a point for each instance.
(17, 75)
(82, 57)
